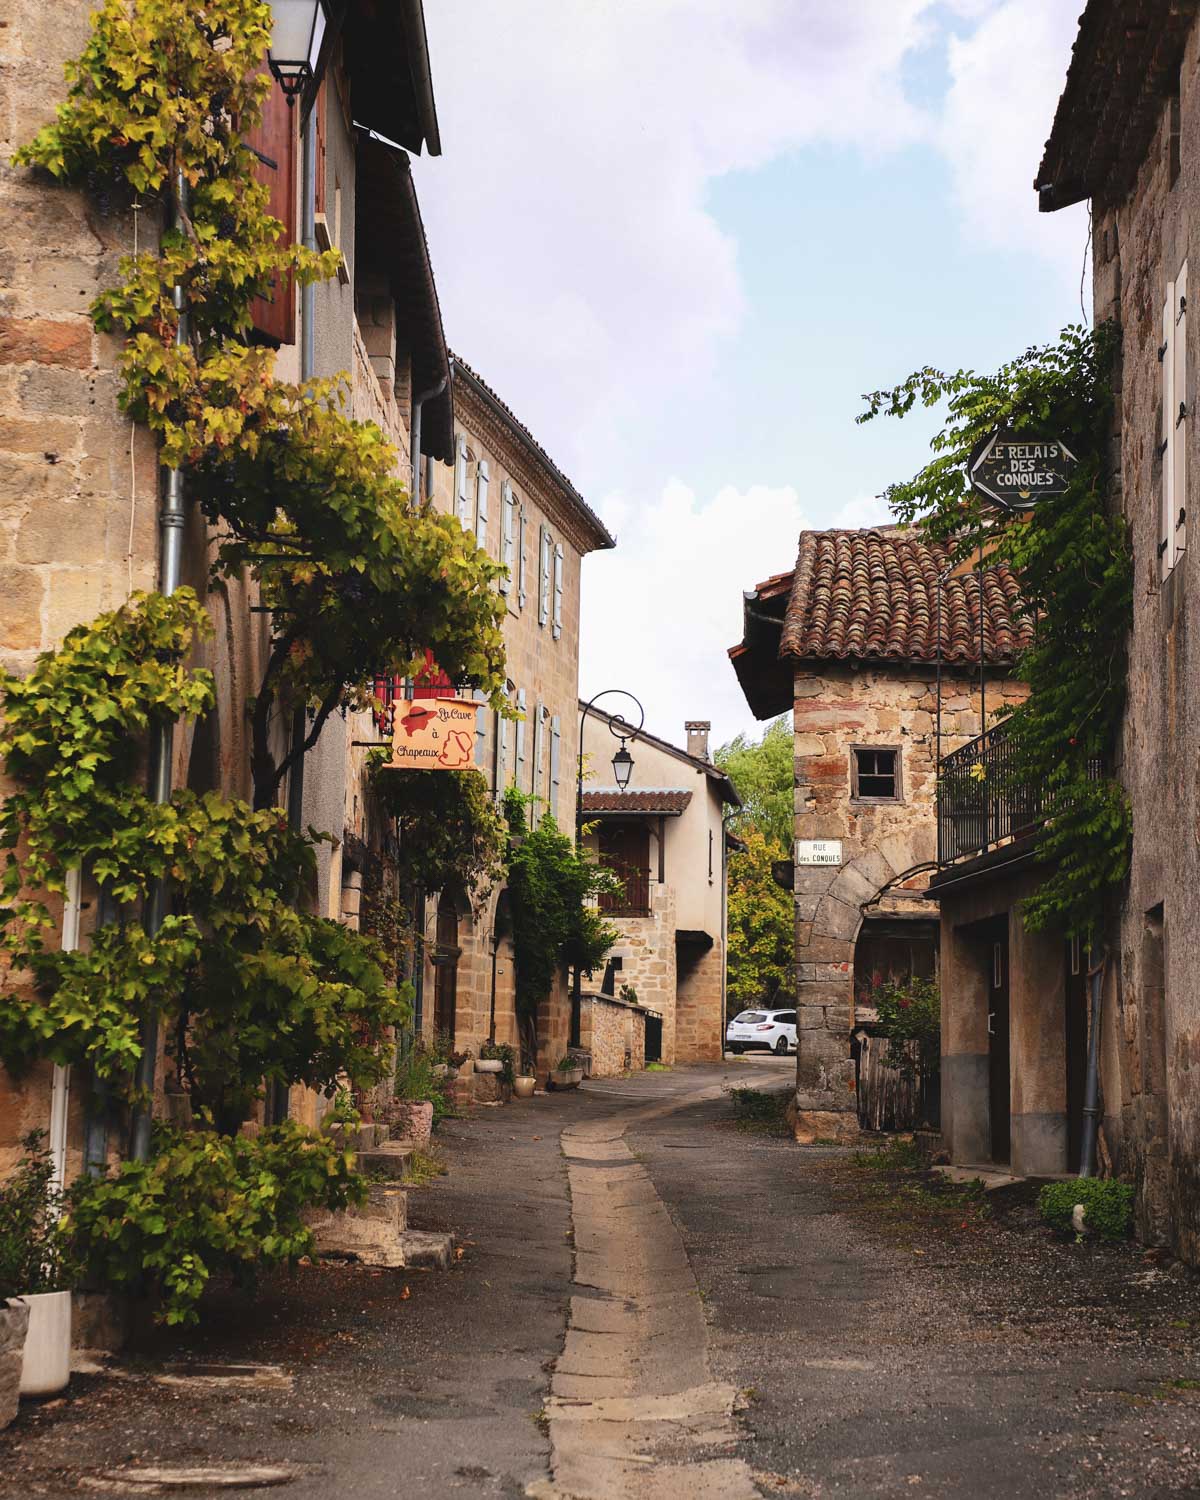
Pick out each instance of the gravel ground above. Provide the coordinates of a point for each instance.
(894, 1335)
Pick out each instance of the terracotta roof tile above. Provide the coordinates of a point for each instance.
(874, 595)
(663, 803)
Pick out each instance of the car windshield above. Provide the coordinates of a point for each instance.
(751, 1015)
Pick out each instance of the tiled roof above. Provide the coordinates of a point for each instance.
(662, 803)
(873, 595)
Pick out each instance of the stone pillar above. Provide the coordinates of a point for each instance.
(826, 1105)
(1038, 1057)
(966, 1116)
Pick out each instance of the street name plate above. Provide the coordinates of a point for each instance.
(818, 851)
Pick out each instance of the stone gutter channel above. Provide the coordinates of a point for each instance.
(634, 1413)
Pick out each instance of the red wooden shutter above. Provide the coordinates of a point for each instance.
(321, 107)
(274, 142)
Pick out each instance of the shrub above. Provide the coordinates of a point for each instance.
(416, 1082)
(203, 1204)
(503, 1053)
(30, 1246)
(909, 1011)
(755, 1110)
(1107, 1206)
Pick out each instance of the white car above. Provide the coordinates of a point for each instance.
(770, 1030)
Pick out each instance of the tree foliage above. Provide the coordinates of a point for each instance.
(1073, 559)
(359, 578)
(450, 828)
(764, 773)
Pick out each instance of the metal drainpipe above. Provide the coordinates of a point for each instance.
(725, 817)
(1091, 1087)
(170, 570)
(415, 437)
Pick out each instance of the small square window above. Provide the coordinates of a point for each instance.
(876, 775)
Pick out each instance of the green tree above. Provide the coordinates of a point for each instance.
(762, 931)
(764, 773)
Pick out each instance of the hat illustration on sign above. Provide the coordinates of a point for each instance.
(417, 717)
(458, 750)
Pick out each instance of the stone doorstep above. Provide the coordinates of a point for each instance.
(991, 1178)
(428, 1250)
(390, 1159)
(372, 1234)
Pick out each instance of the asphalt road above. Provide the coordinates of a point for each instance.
(717, 1313)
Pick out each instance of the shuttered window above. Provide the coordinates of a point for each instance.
(537, 785)
(508, 534)
(520, 729)
(480, 697)
(1172, 537)
(503, 741)
(481, 504)
(274, 143)
(544, 555)
(558, 589)
(555, 761)
(522, 591)
(462, 486)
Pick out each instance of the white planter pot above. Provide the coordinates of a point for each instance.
(46, 1363)
(489, 1065)
(524, 1085)
(569, 1078)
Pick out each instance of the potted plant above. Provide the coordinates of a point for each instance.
(568, 1073)
(497, 1057)
(32, 1271)
(629, 994)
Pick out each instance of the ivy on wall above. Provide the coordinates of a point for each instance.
(1073, 559)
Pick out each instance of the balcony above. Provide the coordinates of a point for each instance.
(632, 898)
(983, 798)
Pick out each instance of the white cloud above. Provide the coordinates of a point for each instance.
(866, 510)
(660, 613)
(1006, 76)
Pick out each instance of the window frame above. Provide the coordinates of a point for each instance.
(898, 777)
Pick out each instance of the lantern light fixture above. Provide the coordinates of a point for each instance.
(297, 32)
(622, 764)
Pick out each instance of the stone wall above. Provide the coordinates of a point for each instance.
(1151, 1039)
(888, 848)
(646, 948)
(614, 1032)
(699, 1004)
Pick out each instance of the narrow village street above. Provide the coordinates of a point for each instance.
(654, 1302)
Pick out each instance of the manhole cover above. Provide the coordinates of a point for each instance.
(203, 1476)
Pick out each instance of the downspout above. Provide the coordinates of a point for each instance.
(1091, 1087)
(162, 747)
(60, 1088)
(431, 394)
(725, 817)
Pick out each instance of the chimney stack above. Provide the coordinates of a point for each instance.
(697, 737)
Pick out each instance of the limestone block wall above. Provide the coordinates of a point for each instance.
(646, 948)
(699, 1019)
(884, 844)
(1151, 1043)
(614, 1032)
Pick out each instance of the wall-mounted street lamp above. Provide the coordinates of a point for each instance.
(297, 31)
(622, 764)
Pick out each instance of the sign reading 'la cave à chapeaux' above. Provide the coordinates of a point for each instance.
(1017, 471)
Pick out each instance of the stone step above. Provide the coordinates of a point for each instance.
(423, 1247)
(386, 1160)
(373, 1235)
(364, 1138)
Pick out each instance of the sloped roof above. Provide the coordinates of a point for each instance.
(663, 802)
(873, 595)
(725, 786)
(1124, 64)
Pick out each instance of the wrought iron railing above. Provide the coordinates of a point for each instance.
(632, 896)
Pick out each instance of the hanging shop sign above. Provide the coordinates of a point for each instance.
(1017, 471)
(818, 851)
(433, 734)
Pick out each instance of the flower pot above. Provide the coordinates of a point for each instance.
(489, 1065)
(524, 1085)
(569, 1078)
(46, 1363)
(14, 1321)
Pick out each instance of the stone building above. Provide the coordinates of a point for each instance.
(503, 486)
(874, 646)
(79, 484)
(1127, 136)
(665, 837)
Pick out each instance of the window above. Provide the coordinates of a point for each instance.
(520, 768)
(521, 575)
(462, 486)
(625, 850)
(875, 774)
(545, 544)
(1172, 450)
(508, 533)
(555, 759)
(481, 504)
(273, 142)
(558, 590)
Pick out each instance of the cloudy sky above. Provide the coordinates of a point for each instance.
(681, 237)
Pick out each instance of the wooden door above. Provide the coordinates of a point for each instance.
(445, 958)
(625, 849)
(999, 1082)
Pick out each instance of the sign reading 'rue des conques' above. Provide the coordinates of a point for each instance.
(1017, 471)
(434, 734)
(818, 851)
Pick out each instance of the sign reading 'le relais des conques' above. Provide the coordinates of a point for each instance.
(1017, 471)
(434, 734)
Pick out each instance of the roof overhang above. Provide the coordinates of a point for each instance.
(1124, 66)
(766, 679)
(390, 242)
(387, 59)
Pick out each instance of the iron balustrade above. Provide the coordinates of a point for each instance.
(632, 896)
